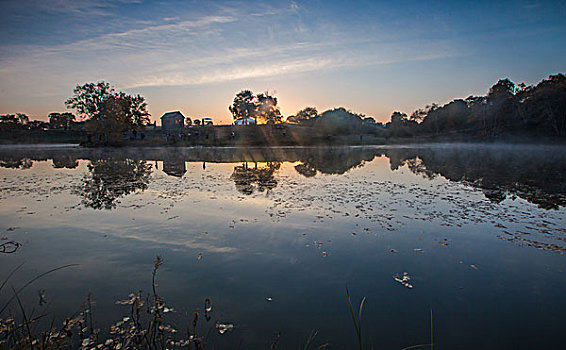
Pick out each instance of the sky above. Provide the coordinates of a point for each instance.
(372, 57)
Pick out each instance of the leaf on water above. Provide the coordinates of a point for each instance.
(269, 299)
(394, 251)
(474, 267)
(404, 280)
(199, 257)
(418, 250)
(224, 327)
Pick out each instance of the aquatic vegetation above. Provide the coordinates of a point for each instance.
(143, 328)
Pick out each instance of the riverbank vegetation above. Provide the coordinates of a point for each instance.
(508, 112)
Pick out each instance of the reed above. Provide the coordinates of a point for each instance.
(358, 322)
(144, 328)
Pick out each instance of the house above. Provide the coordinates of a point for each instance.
(244, 121)
(172, 120)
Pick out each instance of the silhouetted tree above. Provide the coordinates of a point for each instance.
(400, 125)
(267, 109)
(61, 120)
(507, 109)
(136, 110)
(545, 105)
(302, 115)
(263, 107)
(420, 114)
(501, 106)
(243, 105)
(108, 112)
(338, 121)
(369, 120)
(13, 121)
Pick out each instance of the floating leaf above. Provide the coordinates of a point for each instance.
(224, 327)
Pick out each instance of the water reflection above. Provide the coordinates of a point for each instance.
(333, 216)
(249, 179)
(334, 161)
(534, 174)
(65, 161)
(24, 163)
(174, 167)
(109, 179)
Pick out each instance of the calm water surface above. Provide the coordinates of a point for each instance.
(481, 231)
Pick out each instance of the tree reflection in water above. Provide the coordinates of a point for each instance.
(334, 160)
(533, 173)
(110, 179)
(306, 169)
(535, 176)
(248, 179)
(24, 163)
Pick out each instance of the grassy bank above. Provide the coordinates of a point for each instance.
(254, 135)
(42, 136)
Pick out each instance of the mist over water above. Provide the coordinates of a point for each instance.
(273, 236)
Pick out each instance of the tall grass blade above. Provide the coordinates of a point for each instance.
(310, 339)
(33, 280)
(416, 346)
(358, 323)
(431, 332)
(431, 338)
(30, 337)
(10, 275)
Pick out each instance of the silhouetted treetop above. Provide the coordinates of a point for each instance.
(106, 111)
(507, 109)
(261, 107)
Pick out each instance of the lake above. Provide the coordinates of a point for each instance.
(273, 237)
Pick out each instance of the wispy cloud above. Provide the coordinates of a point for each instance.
(185, 49)
(237, 73)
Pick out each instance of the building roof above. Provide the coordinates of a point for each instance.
(174, 114)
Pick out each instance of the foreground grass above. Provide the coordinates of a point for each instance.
(143, 328)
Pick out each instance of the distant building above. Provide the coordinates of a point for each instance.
(172, 120)
(244, 121)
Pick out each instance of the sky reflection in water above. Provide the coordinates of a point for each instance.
(480, 230)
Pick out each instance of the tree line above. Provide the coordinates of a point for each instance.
(106, 113)
(507, 109)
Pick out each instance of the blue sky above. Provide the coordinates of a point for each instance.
(373, 57)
